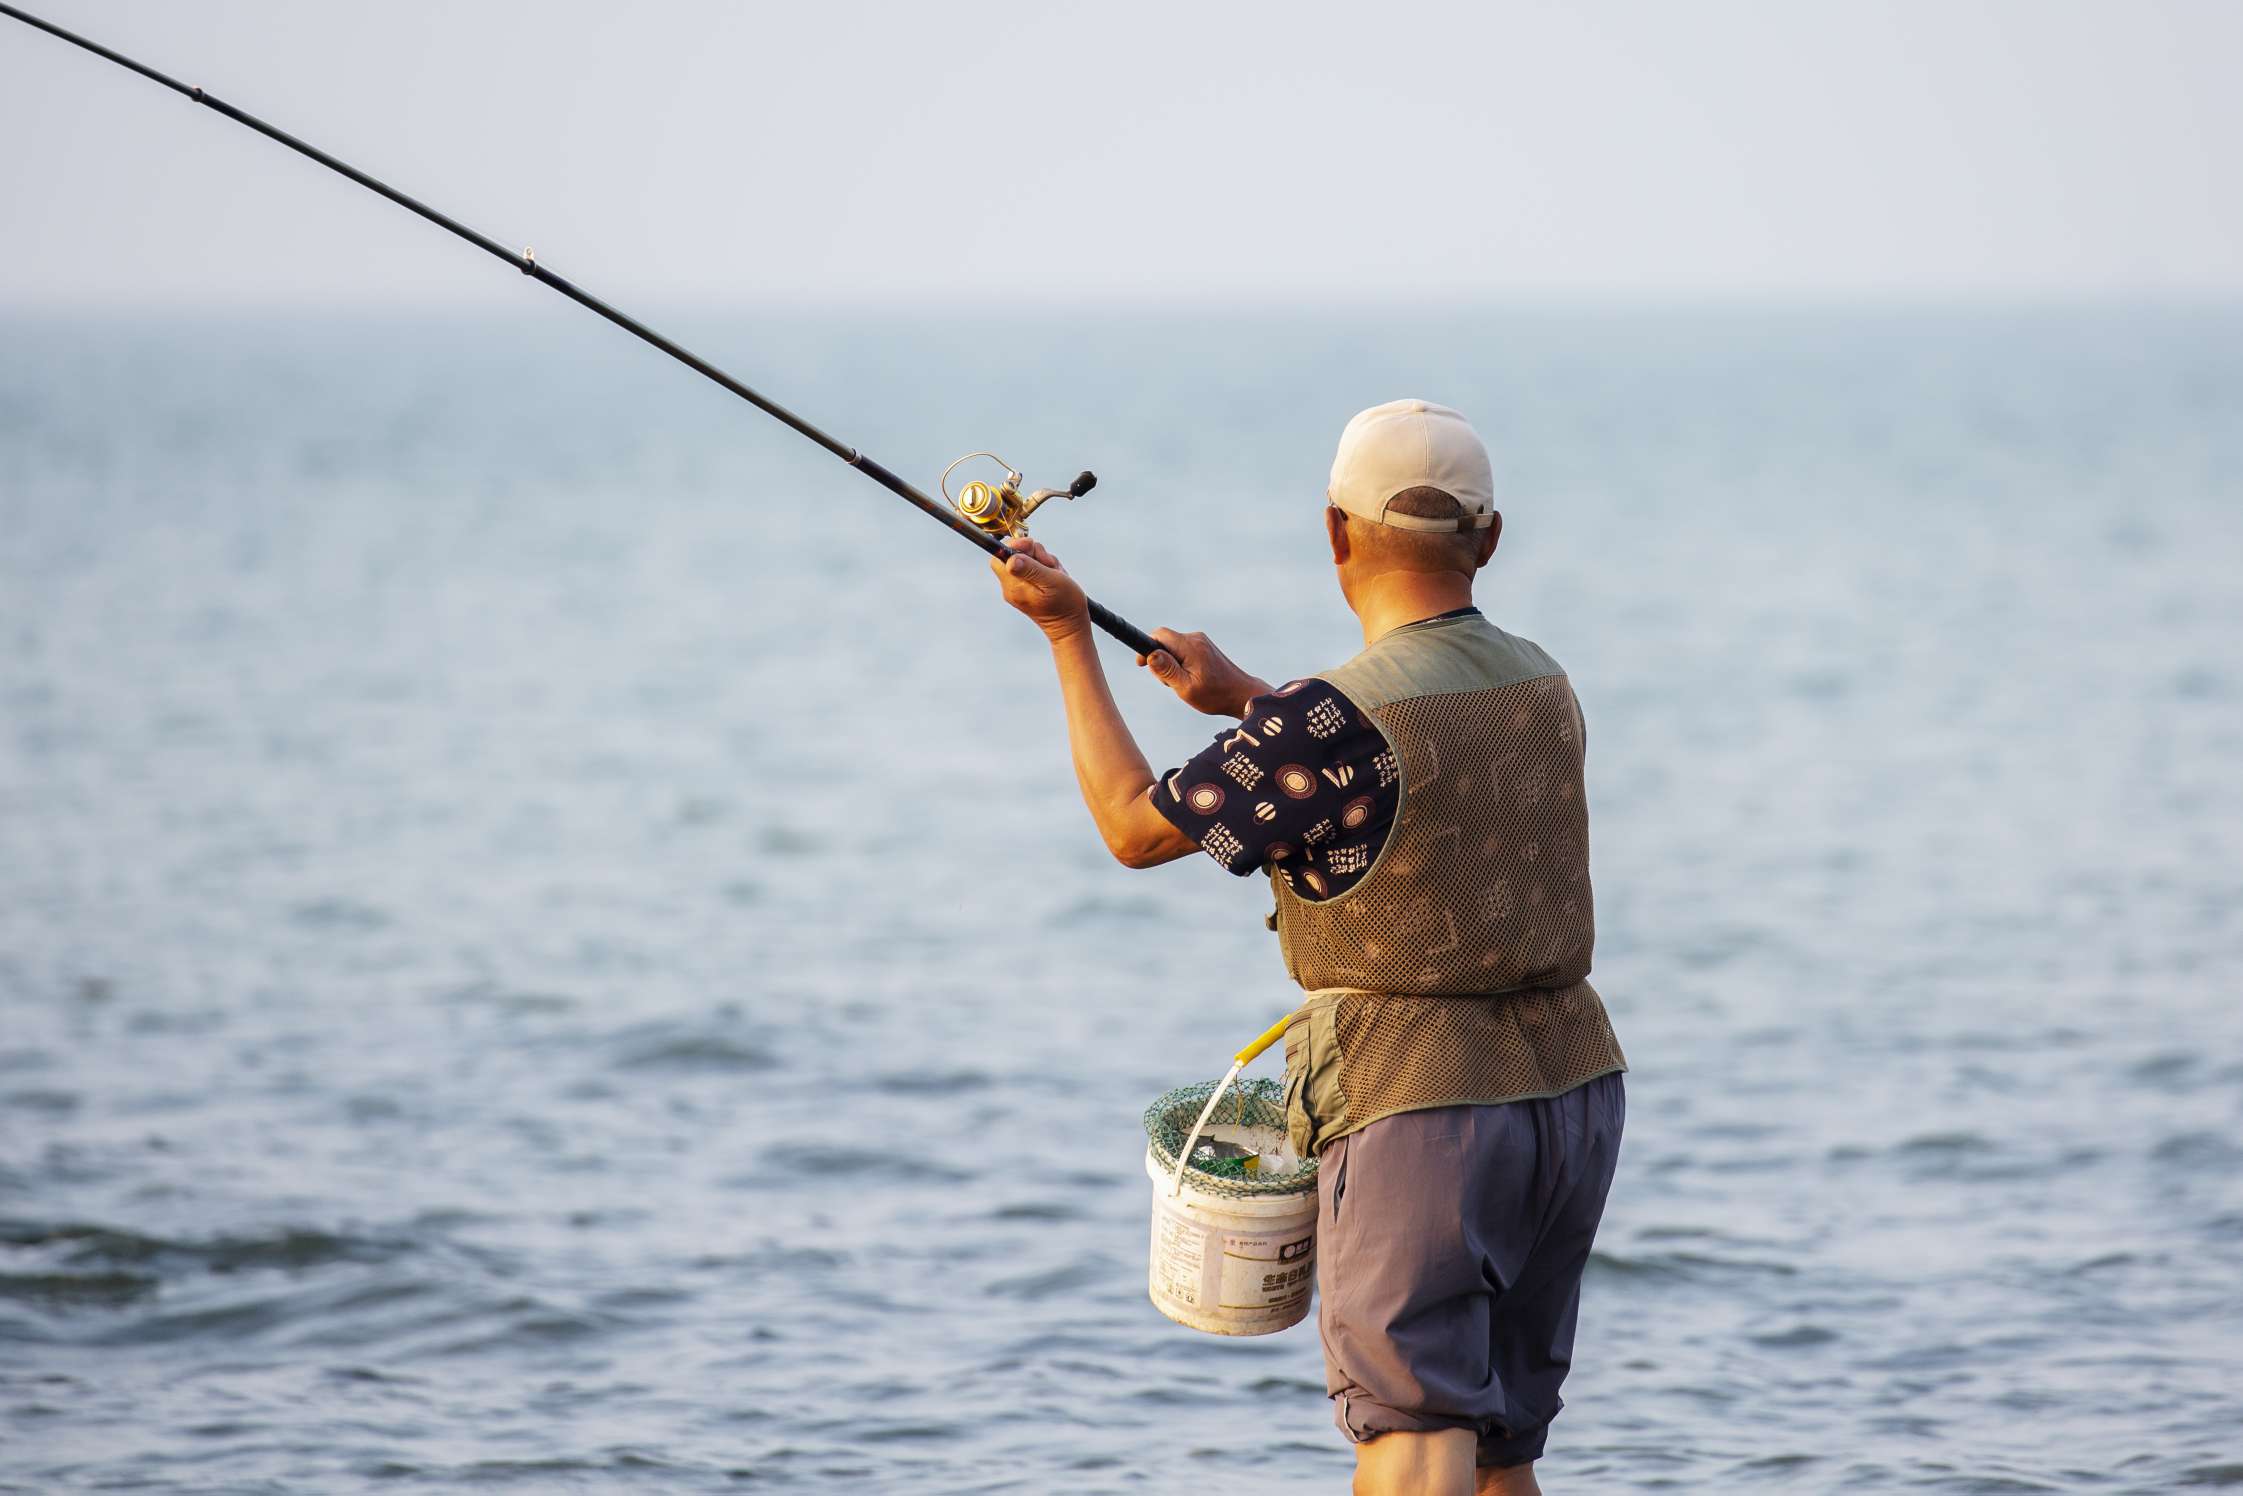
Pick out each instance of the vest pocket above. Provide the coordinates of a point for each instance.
(1300, 1129)
(1315, 1106)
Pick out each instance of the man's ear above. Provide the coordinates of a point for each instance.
(1488, 538)
(1335, 530)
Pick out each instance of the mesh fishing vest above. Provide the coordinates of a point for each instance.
(1456, 969)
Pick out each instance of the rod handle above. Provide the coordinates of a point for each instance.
(1101, 615)
(1122, 629)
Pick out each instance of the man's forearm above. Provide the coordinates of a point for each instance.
(1116, 783)
(1108, 763)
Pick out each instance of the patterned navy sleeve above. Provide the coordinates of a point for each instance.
(1305, 784)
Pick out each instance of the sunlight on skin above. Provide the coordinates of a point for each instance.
(1434, 1464)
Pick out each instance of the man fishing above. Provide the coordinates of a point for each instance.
(1420, 813)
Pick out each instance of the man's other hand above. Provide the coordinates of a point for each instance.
(1192, 667)
(1036, 584)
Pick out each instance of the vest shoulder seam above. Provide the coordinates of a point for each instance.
(1410, 667)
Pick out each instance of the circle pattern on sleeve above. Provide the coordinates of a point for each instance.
(1311, 790)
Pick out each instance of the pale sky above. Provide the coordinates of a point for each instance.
(682, 150)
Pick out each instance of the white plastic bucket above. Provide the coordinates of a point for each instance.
(1230, 1265)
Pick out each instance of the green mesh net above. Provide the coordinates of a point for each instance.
(1242, 1150)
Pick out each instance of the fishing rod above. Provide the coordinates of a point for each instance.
(988, 513)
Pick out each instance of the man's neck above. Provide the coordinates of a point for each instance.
(1399, 598)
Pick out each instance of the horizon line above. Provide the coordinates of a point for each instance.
(889, 302)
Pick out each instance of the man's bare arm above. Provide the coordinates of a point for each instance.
(1117, 784)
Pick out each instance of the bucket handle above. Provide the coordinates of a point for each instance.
(1240, 1061)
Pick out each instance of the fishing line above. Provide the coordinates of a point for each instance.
(986, 514)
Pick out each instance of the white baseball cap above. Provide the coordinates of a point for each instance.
(1412, 444)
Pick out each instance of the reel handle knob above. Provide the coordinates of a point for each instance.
(1085, 481)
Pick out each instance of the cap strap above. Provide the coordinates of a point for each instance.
(1480, 521)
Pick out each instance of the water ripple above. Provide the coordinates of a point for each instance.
(510, 978)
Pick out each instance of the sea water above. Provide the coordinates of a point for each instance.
(548, 940)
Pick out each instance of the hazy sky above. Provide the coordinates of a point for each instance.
(687, 149)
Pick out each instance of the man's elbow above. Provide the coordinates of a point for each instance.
(1138, 835)
(1142, 851)
(1134, 853)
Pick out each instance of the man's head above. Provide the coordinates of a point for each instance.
(1411, 493)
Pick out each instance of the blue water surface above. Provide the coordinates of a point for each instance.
(547, 939)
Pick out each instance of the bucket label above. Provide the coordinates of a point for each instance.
(1231, 1266)
(1181, 1260)
(1268, 1271)
(1238, 1280)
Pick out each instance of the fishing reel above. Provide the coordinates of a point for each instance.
(999, 508)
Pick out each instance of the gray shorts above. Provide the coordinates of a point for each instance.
(1449, 1249)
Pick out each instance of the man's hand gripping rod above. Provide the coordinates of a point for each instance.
(989, 536)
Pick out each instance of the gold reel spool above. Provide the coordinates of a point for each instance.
(1000, 508)
(992, 507)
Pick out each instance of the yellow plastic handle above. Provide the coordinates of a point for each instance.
(1270, 1035)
